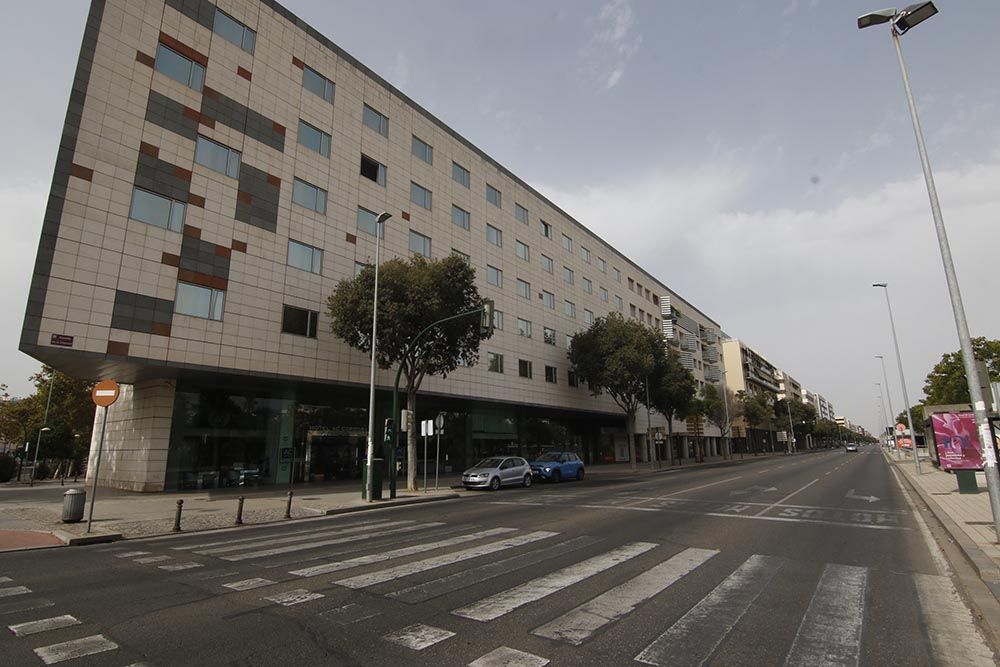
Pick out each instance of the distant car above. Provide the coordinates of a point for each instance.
(557, 466)
(497, 471)
(852, 447)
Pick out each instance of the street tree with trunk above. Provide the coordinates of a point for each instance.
(757, 407)
(946, 383)
(719, 409)
(413, 294)
(673, 395)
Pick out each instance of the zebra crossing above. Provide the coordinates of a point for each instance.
(339, 573)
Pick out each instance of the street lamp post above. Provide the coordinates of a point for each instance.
(902, 380)
(888, 397)
(900, 23)
(881, 409)
(370, 451)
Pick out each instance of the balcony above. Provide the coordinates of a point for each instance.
(710, 354)
(687, 360)
(689, 343)
(713, 374)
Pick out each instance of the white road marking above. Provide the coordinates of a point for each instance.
(5, 580)
(508, 657)
(578, 625)
(372, 578)
(763, 511)
(152, 559)
(950, 626)
(177, 567)
(694, 637)
(293, 597)
(33, 627)
(325, 543)
(76, 648)
(132, 554)
(307, 531)
(419, 636)
(287, 539)
(936, 554)
(349, 614)
(14, 590)
(703, 486)
(248, 584)
(334, 566)
(830, 632)
(25, 604)
(506, 601)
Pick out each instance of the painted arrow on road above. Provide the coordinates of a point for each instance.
(751, 489)
(870, 499)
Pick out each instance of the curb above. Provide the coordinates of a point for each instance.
(391, 502)
(72, 540)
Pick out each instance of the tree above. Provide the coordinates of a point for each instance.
(673, 394)
(757, 407)
(718, 408)
(619, 356)
(413, 293)
(916, 414)
(946, 383)
(803, 416)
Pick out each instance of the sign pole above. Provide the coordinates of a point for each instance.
(97, 469)
(104, 394)
(439, 426)
(425, 424)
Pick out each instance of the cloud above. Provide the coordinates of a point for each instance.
(612, 43)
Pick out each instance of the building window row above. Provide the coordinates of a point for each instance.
(231, 30)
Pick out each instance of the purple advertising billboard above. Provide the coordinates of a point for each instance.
(957, 442)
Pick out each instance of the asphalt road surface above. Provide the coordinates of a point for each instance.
(816, 559)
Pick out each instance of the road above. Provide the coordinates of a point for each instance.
(815, 559)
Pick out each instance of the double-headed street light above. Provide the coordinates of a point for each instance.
(370, 451)
(899, 23)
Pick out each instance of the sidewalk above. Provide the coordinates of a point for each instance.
(32, 518)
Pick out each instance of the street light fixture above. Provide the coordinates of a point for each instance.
(370, 452)
(900, 23)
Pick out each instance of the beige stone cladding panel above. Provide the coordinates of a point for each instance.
(134, 456)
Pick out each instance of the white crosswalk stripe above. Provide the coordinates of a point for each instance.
(503, 603)
(177, 567)
(578, 625)
(950, 625)
(326, 568)
(5, 580)
(508, 657)
(830, 632)
(288, 539)
(372, 578)
(248, 584)
(290, 548)
(306, 531)
(419, 636)
(43, 625)
(14, 590)
(132, 554)
(152, 559)
(695, 636)
(294, 597)
(76, 648)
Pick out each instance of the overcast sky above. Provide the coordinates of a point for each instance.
(757, 157)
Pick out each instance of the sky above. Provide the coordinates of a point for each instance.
(757, 157)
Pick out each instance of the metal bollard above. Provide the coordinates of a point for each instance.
(239, 512)
(177, 516)
(288, 506)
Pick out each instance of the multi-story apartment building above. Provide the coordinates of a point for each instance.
(788, 387)
(220, 171)
(749, 371)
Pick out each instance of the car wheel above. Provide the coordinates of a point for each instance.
(579, 474)
(556, 476)
(495, 484)
(527, 481)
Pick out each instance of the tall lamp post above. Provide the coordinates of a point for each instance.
(370, 451)
(888, 397)
(902, 380)
(881, 408)
(900, 23)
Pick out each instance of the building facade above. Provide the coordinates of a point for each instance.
(220, 170)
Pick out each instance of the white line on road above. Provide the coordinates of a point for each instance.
(177, 567)
(325, 543)
(287, 539)
(13, 590)
(334, 566)
(504, 602)
(578, 625)
(405, 570)
(703, 486)
(132, 554)
(248, 584)
(5, 580)
(76, 648)
(830, 632)
(202, 545)
(43, 625)
(419, 636)
(771, 506)
(153, 559)
(694, 637)
(508, 657)
(950, 626)
(293, 597)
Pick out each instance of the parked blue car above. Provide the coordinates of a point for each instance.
(557, 466)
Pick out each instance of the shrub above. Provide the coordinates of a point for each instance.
(7, 468)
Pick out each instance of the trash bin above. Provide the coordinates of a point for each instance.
(73, 502)
(377, 465)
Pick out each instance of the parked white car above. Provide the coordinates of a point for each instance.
(497, 471)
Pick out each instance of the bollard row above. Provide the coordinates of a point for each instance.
(239, 512)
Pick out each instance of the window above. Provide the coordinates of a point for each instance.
(549, 336)
(305, 257)
(655, 299)
(358, 268)
(617, 275)
(422, 150)
(602, 265)
(498, 320)
(460, 217)
(603, 293)
(316, 83)
(494, 276)
(571, 379)
(368, 221)
(547, 264)
(420, 195)
(420, 244)
(568, 275)
(492, 195)
(619, 304)
(567, 243)
(217, 157)
(314, 138)
(308, 195)
(299, 321)
(523, 328)
(522, 250)
(494, 362)
(569, 341)
(524, 368)
(550, 374)
(631, 285)
(199, 301)
(585, 254)
(375, 120)
(545, 228)
(521, 213)
(588, 316)
(549, 299)
(459, 174)
(523, 288)
(648, 298)
(631, 309)
(461, 255)
(179, 68)
(157, 210)
(570, 308)
(494, 235)
(373, 170)
(588, 286)
(230, 29)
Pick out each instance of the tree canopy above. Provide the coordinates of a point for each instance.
(674, 392)
(946, 383)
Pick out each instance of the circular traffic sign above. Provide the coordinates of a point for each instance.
(105, 393)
